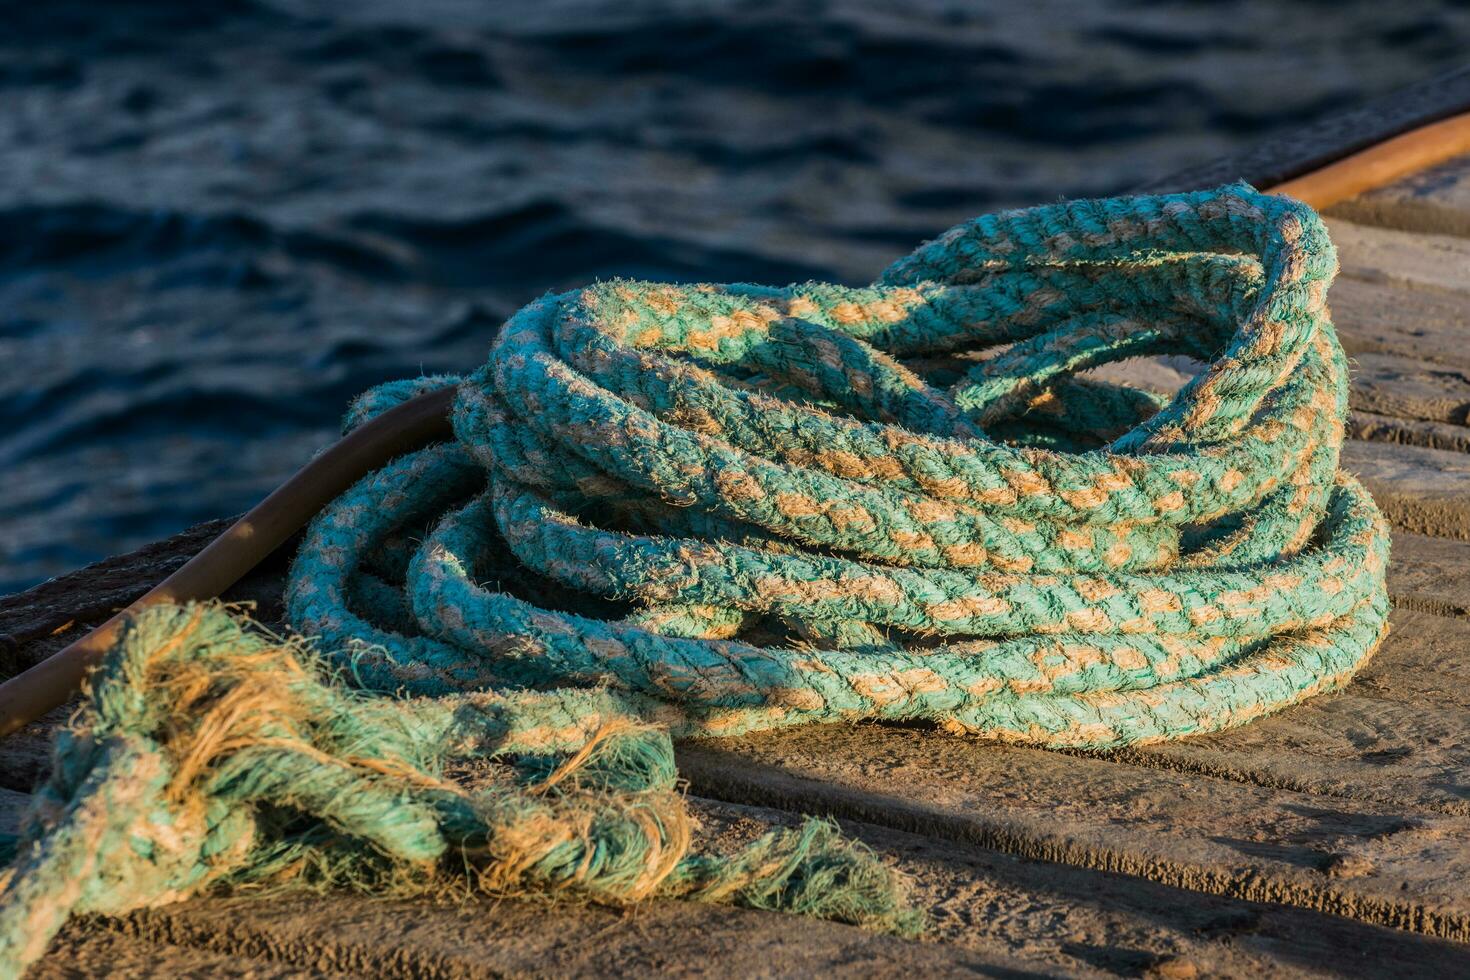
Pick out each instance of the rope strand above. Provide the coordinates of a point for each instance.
(710, 510)
(744, 464)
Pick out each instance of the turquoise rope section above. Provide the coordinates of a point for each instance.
(803, 527)
(706, 510)
(211, 754)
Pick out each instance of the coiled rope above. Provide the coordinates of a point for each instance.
(741, 459)
(712, 510)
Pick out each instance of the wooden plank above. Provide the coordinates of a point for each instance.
(1407, 259)
(1434, 201)
(1424, 665)
(306, 934)
(1357, 803)
(1165, 375)
(1349, 746)
(1409, 388)
(1430, 574)
(1391, 748)
(1053, 915)
(1357, 859)
(1426, 491)
(1396, 736)
(990, 913)
(1104, 953)
(94, 592)
(1394, 398)
(38, 620)
(361, 936)
(1408, 432)
(352, 935)
(1020, 898)
(25, 755)
(84, 951)
(1380, 317)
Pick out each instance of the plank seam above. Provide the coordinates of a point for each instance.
(1380, 278)
(1144, 759)
(723, 782)
(167, 927)
(1442, 608)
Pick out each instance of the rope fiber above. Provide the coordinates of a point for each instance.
(700, 510)
(740, 462)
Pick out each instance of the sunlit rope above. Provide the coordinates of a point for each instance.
(807, 530)
(710, 510)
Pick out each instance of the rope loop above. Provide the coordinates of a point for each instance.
(752, 507)
(675, 510)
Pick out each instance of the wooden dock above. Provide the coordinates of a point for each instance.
(1332, 838)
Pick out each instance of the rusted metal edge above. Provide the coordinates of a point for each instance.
(1318, 143)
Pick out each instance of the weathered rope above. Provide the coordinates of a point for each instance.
(732, 508)
(741, 461)
(211, 753)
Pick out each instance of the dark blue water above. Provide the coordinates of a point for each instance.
(220, 220)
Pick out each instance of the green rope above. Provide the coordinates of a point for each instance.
(741, 462)
(712, 510)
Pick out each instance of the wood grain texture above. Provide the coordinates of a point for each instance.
(95, 951)
(1426, 491)
(1360, 859)
(1432, 326)
(357, 936)
(1411, 260)
(1373, 427)
(25, 755)
(1394, 736)
(1320, 785)
(1430, 574)
(40, 620)
(1410, 388)
(1435, 201)
(991, 914)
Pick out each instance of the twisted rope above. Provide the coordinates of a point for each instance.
(213, 754)
(807, 530)
(713, 510)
